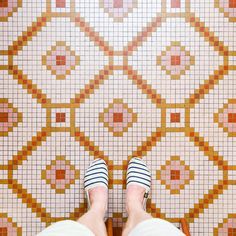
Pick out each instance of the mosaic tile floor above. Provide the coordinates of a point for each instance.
(112, 79)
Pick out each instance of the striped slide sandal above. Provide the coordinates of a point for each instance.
(139, 174)
(96, 175)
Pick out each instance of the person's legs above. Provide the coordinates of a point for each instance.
(139, 221)
(134, 208)
(94, 218)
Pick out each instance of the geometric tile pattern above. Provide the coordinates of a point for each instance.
(226, 118)
(175, 117)
(228, 8)
(175, 175)
(175, 60)
(7, 227)
(9, 117)
(228, 227)
(60, 174)
(7, 8)
(118, 117)
(60, 60)
(152, 79)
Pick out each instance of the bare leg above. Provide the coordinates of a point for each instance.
(134, 208)
(94, 218)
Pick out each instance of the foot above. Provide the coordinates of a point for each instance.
(98, 198)
(138, 182)
(134, 197)
(134, 207)
(96, 186)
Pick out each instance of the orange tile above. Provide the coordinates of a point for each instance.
(60, 60)
(3, 231)
(232, 4)
(175, 117)
(60, 174)
(232, 231)
(60, 117)
(118, 117)
(175, 174)
(4, 3)
(231, 117)
(3, 117)
(175, 60)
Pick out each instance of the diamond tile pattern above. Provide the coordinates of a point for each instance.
(113, 79)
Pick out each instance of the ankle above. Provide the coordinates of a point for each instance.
(134, 205)
(134, 198)
(98, 197)
(98, 207)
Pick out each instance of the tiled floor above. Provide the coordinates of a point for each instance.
(113, 79)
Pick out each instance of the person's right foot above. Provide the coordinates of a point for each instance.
(138, 183)
(134, 197)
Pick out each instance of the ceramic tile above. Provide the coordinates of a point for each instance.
(113, 79)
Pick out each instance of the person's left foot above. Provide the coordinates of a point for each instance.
(96, 185)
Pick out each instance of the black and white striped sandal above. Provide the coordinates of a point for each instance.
(139, 174)
(96, 175)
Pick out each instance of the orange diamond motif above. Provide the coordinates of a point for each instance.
(9, 117)
(118, 117)
(60, 174)
(226, 118)
(175, 174)
(60, 60)
(175, 60)
(228, 227)
(8, 227)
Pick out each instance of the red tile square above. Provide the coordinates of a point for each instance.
(3, 117)
(60, 60)
(175, 4)
(175, 117)
(60, 174)
(231, 231)
(232, 117)
(175, 60)
(3, 231)
(60, 3)
(60, 117)
(175, 174)
(232, 3)
(3, 3)
(117, 117)
(117, 3)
